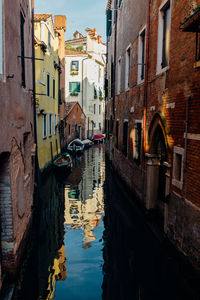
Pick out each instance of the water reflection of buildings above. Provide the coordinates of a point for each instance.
(45, 261)
(51, 250)
(84, 202)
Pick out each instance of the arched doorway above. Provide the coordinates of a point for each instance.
(156, 166)
(159, 148)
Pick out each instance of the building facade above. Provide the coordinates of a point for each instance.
(75, 122)
(60, 27)
(152, 110)
(17, 142)
(47, 65)
(85, 63)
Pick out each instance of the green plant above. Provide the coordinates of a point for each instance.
(73, 73)
(73, 94)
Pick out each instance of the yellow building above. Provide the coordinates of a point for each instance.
(47, 75)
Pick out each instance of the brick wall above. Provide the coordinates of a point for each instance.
(6, 216)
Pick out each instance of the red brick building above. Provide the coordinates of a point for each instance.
(17, 144)
(74, 122)
(152, 110)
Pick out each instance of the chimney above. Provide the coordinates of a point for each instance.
(60, 22)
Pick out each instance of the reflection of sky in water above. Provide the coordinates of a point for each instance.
(84, 209)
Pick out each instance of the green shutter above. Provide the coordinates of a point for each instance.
(70, 87)
(109, 22)
(78, 87)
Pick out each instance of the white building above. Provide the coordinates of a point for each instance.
(85, 64)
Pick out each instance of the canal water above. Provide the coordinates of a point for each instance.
(89, 242)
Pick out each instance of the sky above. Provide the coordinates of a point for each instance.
(80, 14)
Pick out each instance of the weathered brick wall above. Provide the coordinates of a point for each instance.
(6, 215)
(17, 134)
(168, 94)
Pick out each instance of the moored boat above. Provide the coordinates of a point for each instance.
(63, 163)
(75, 147)
(98, 138)
(87, 143)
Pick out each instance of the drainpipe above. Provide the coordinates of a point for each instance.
(37, 172)
(115, 58)
(146, 77)
(82, 77)
(186, 132)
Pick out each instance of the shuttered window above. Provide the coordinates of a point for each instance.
(74, 87)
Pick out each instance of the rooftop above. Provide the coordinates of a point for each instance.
(42, 16)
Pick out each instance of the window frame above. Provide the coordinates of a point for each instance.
(164, 6)
(45, 129)
(74, 70)
(137, 149)
(55, 123)
(78, 86)
(125, 150)
(50, 124)
(128, 68)
(48, 85)
(141, 54)
(119, 70)
(178, 183)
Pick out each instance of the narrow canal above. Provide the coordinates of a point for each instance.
(90, 242)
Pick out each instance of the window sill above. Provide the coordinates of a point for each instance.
(160, 71)
(178, 184)
(140, 82)
(197, 64)
(44, 137)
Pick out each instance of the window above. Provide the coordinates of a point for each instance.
(48, 85)
(74, 87)
(120, 3)
(54, 88)
(99, 126)
(128, 60)
(69, 129)
(141, 56)
(117, 135)
(49, 40)
(125, 139)
(22, 21)
(197, 56)
(115, 11)
(163, 36)
(99, 74)
(55, 124)
(44, 126)
(178, 156)
(119, 77)
(108, 22)
(75, 66)
(95, 92)
(100, 109)
(94, 108)
(50, 124)
(1, 37)
(100, 94)
(137, 142)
